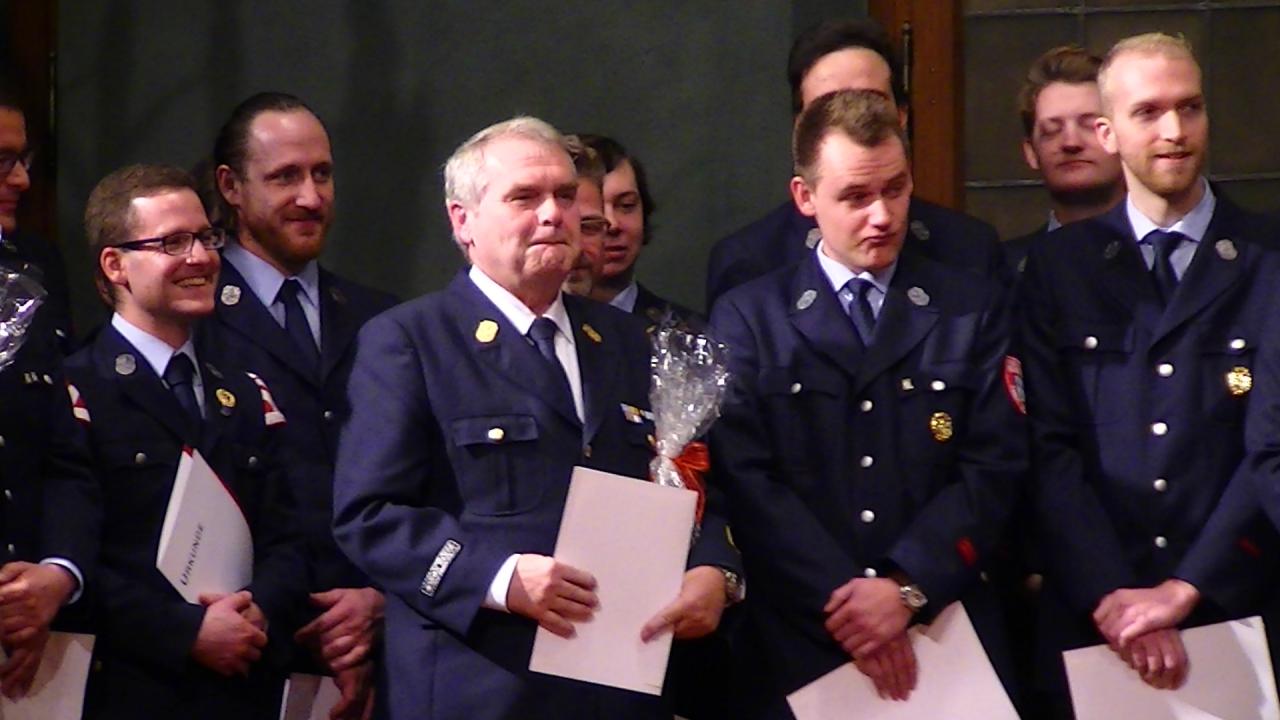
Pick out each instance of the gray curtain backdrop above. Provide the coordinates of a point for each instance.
(695, 88)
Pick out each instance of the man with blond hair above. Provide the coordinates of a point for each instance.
(476, 403)
(1140, 329)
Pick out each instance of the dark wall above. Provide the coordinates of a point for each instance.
(696, 89)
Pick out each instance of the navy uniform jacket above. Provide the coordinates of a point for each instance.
(244, 332)
(781, 238)
(1138, 415)
(50, 501)
(840, 463)
(458, 455)
(136, 432)
(1015, 250)
(658, 312)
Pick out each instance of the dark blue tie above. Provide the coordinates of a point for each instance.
(179, 375)
(295, 323)
(1164, 243)
(543, 335)
(854, 297)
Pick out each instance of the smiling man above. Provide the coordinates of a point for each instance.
(477, 403)
(1140, 329)
(1059, 105)
(144, 393)
(868, 448)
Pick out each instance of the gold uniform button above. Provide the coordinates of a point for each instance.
(1160, 484)
(867, 406)
(1159, 429)
(1091, 343)
(497, 434)
(139, 458)
(867, 461)
(869, 572)
(1161, 542)
(1164, 369)
(796, 388)
(868, 516)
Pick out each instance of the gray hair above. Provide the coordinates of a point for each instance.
(465, 180)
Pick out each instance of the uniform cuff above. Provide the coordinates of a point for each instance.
(496, 598)
(75, 573)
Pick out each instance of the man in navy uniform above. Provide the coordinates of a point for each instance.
(1140, 330)
(283, 316)
(1058, 106)
(846, 55)
(144, 395)
(872, 442)
(475, 403)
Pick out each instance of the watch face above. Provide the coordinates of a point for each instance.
(912, 597)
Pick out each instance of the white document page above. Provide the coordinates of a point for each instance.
(956, 681)
(205, 544)
(1230, 679)
(57, 693)
(633, 536)
(308, 697)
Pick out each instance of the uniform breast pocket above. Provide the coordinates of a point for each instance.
(1095, 356)
(1226, 359)
(501, 472)
(804, 408)
(934, 405)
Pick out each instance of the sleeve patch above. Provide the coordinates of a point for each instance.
(967, 552)
(1013, 384)
(271, 414)
(78, 408)
(439, 567)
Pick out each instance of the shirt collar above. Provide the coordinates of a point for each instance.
(839, 275)
(1193, 225)
(1053, 223)
(626, 300)
(265, 280)
(516, 312)
(155, 351)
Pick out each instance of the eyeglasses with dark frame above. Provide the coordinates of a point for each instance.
(592, 227)
(179, 243)
(9, 160)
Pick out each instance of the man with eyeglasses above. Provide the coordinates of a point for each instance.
(143, 394)
(593, 224)
(22, 250)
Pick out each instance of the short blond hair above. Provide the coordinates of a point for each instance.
(464, 174)
(1154, 43)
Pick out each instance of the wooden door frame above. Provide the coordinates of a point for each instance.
(933, 64)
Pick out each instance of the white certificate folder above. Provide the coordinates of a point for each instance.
(956, 681)
(1229, 679)
(57, 693)
(205, 543)
(634, 537)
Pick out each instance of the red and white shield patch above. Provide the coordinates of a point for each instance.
(78, 408)
(271, 414)
(1013, 383)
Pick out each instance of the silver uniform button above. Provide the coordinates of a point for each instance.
(496, 434)
(1161, 541)
(1090, 343)
(12, 550)
(8, 494)
(1160, 484)
(139, 458)
(938, 385)
(1, 441)
(868, 516)
(328, 414)
(867, 461)
(1238, 344)
(1159, 428)
(1164, 369)
(869, 572)
(796, 388)
(253, 461)
(867, 405)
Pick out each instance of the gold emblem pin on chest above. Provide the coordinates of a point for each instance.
(1239, 381)
(941, 426)
(486, 331)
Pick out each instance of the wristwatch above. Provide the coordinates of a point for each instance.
(912, 597)
(735, 591)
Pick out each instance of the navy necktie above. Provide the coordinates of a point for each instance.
(179, 375)
(1164, 243)
(854, 295)
(543, 335)
(295, 322)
